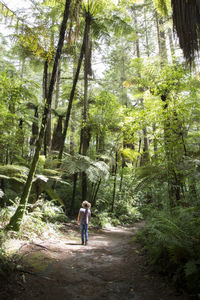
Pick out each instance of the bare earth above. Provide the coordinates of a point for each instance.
(110, 267)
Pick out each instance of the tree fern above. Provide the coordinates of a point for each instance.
(14, 172)
(79, 163)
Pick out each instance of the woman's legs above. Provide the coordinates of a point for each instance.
(84, 233)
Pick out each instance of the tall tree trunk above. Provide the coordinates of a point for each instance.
(71, 98)
(47, 137)
(35, 128)
(139, 149)
(57, 135)
(145, 154)
(75, 178)
(57, 131)
(94, 196)
(146, 32)
(161, 39)
(16, 219)
(58, 87)
(155, 142)
(172, 50)
(122, 175)
(137, 43)
(85, 128)
(115, 181)
(47, 134)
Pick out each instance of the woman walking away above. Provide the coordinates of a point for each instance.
(83, 219)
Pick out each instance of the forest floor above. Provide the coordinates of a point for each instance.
(110, 267)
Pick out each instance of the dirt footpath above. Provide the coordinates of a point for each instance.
(110, 267)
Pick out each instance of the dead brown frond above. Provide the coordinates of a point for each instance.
(186, 20)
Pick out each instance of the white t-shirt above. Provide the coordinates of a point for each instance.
(84, 216)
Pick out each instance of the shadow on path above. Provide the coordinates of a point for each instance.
(110, 267)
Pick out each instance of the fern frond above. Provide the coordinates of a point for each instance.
(80, 163)
(53, 194)
(1, 193)
(14, 172)
(147, 174)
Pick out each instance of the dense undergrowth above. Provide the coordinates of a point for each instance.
(171, 239)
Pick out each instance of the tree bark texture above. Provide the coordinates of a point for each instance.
(85, 128)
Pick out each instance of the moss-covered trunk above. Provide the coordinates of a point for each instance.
(16, 219)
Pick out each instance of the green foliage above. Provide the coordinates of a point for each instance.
(39, 216)
(171, 240)
(14, 172)
(49, 211)
(15, 93)
(123, 215)
(79, 163)
(163, 7)
(101, 219)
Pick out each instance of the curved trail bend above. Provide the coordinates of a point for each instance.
(110, 267)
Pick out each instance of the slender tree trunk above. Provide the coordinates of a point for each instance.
(172, 50)
(139, 150)
(94, 197)
(47, 134)
(57, 135)
(137, 43)
(75, 179)
(35, 128)
(161, 39)
(115, 182)
(122, 177)
(57, 131)
(47, 137)
(58, 87)
(155, 142)
(146, 32)
(71, 98)
(145, 154)
(16, 219)
(72, 207)
(85, 128)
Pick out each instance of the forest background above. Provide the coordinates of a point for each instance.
(124, 136)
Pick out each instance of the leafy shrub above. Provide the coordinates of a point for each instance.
(101, 219)
(172, 242)
(119, 217)
(53, 213)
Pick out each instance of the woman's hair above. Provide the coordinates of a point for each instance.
(86, 204)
